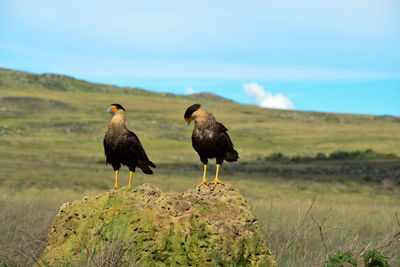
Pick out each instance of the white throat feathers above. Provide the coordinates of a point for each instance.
(118, 120)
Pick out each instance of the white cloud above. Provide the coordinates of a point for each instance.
(266, 99)
(190, 90)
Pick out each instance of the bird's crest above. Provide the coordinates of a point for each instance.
(190, 110)
(118, 106)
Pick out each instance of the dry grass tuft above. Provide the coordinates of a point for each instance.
(318, 233)
(24, 222)
(111, 255)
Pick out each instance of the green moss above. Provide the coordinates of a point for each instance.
(204, 208)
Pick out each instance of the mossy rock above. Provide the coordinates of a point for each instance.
(143, 226)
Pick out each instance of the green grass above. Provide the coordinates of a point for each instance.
(51, 132)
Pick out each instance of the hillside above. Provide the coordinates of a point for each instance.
(55, 122)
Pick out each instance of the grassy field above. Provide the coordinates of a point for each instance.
(51, 132)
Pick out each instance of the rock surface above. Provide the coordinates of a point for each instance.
(143, 226)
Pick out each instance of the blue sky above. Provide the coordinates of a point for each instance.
(337, 56)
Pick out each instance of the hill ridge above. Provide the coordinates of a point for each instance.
(205, 96)
(49, 81)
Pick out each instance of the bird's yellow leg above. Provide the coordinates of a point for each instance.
(116, 187)
(216, 181)
(204, 176)
(130, 179)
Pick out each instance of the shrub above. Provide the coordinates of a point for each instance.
(335, 260)
(366, 154)
(336, 155)
(339, 155)
(321, 156)
(276, 157)
(374, 258)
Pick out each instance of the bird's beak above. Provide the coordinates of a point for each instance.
(112, 109)
(188, 120)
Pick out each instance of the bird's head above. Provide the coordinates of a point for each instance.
(116, 109)
(189, 116)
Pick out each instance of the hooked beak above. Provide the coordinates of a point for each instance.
(188, 120)
(109, 110)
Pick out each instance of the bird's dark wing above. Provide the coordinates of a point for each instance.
(136, 148)
(107, 150)
(223, 139)
(221, 127)
(195, 142)
(224, 142)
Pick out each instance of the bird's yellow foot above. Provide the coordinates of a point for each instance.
(216, 181)
(202, 183)
(116, 187)
(130, 179)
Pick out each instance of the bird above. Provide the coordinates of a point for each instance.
(210, 140)
(122, 146)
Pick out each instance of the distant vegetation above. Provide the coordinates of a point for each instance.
(367, 154)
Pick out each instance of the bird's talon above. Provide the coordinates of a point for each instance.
(202, 183)
(116, 187)
(215, 182)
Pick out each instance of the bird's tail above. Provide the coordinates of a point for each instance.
(144, 166)
(231, 156)
(151, 164)
(146, 169)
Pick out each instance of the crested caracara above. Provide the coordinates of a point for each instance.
(122, 146)
(210, 140)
